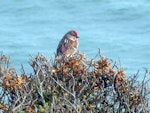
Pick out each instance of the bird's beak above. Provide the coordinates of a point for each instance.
(77, 37)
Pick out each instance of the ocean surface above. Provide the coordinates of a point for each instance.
(120, 28)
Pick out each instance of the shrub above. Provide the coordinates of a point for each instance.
(72, 85)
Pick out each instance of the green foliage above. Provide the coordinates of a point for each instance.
(20, 111)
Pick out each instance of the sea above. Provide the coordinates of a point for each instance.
(119, 28)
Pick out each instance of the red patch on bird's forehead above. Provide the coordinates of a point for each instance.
(74, 32)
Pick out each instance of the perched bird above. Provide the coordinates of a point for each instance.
(68, 45)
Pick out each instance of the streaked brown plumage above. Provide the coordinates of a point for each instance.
(68, 45)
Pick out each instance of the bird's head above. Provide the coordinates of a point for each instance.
(72, 35)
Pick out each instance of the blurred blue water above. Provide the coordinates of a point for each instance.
(121, 29)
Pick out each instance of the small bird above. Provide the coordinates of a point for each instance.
(68, 45)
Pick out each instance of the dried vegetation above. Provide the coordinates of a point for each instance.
(72, 85)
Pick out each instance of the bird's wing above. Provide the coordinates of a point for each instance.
(62, 47)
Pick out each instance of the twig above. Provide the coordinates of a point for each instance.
(61, 85)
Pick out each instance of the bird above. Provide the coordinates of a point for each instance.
(68, 45)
